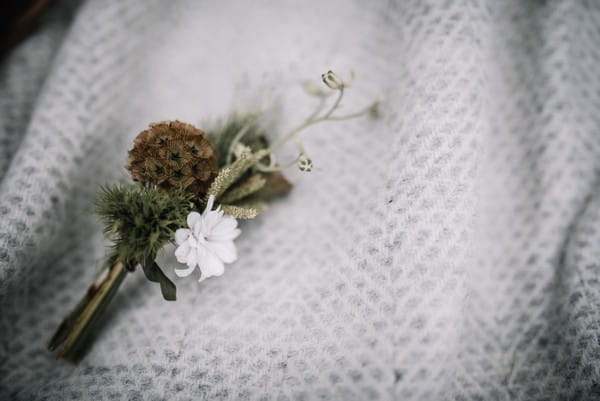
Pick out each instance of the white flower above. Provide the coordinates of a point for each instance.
(208, 243)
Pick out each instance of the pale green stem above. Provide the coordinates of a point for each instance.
(318, 110)
(236, 140)
(310, 121)
(290, 135)
(273, 169)
(335, 105)
(353, 115)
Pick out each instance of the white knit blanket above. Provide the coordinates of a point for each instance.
(448, 251)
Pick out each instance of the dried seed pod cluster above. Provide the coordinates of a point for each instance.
(173, 155)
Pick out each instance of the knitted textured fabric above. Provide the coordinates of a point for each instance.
(450, 250)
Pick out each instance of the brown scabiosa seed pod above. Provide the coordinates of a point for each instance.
(173, 155)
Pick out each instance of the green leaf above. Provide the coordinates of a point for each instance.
(156, 275)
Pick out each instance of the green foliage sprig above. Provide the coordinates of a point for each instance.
(243, 129)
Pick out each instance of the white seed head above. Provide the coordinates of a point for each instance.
(332, 80)
(304, 163)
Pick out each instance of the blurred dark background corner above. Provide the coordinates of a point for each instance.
(18, 18)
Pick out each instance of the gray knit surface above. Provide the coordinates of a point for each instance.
(448, 251)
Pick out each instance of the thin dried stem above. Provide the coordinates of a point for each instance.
(98, 301)
(362, 112)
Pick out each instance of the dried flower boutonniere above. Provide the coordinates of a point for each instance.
(189, 190)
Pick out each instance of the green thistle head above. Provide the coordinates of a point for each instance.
(141, 220)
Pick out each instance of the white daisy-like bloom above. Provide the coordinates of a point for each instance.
(207, 243)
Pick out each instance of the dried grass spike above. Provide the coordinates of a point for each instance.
(244, 213)
(228, 175)
(244, 189)
(257, 205)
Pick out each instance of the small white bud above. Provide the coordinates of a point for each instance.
(332, 80)
(239, 149)
(304, 163)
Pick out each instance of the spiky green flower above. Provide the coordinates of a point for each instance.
(141, 220)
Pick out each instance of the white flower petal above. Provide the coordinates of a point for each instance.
(184, 272)
(201, 250)
(223, 225)
(211, 266)
(193, 258)
(225, 250)
(211, 219)
(181, 235)
(193, 218)
(209, 204)
(226, 236)
(182, 251)
(199, 229)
